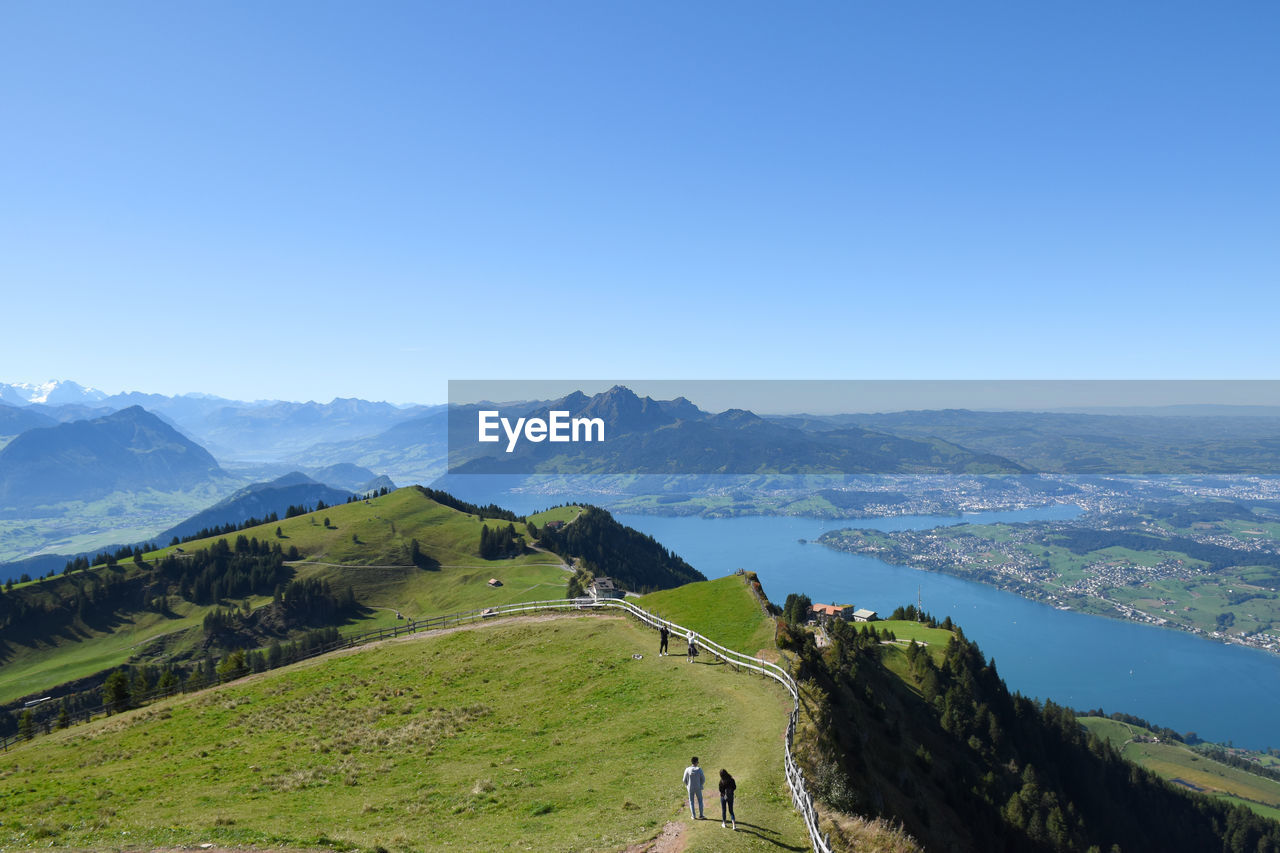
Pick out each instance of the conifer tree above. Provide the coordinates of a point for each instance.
(26, 725)
(115, 692)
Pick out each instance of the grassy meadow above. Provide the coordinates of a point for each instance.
(543, 734)
(34, 664)
(364, 545)
(724, 610)
(1173, 760)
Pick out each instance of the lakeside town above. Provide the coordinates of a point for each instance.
(893, 495)
(1198, 555)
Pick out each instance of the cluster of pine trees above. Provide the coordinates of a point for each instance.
(313, 601)
(226, 529)
(294, 510)
(135, 685)
(301, 603)
(90, 598)
(795, 611)
(369, 495)
(250, 567)
(500, 542)
(633, 559)
(911, 614)
(93, 598)
(109, 558)
(307, 602)
(965, 763)
(489, 511)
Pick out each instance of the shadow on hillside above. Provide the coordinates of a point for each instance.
(60, 628)
(355, 616)
(766, 834)
(103, 622)
(426, 563)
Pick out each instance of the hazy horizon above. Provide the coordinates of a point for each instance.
(832, 397)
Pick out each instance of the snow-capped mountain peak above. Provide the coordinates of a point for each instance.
(54, 392)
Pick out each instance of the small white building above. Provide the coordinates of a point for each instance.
(862, 614)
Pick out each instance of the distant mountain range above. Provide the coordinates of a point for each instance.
(54, 392)
(258, 501)
(61, 441)
(14, 420)
(232, 430)
(413, 451)
(1214, 440)
(128, 450)
(353, 478)
(162, 458)
(282, 430)
(646, 436)
(148, 460)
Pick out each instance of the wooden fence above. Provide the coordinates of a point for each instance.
(800, 795)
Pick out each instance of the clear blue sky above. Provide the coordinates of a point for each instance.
(304, 200)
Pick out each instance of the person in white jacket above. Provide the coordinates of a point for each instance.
(693, 782)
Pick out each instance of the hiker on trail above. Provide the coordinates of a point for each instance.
(693, 781)
(663, 636)
(727, 787)
(693, 648)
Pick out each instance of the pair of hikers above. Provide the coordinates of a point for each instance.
(664, 636)
(694, 779)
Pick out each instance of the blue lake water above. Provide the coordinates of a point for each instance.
(1171, 678)
(1221, 692)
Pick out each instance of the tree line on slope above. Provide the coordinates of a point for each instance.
(605, 547)
(945, 747)
(134, 685)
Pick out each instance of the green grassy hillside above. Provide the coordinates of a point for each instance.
(904, 631)
(560, 513)
(366, 545)
(543, 735)
(724, 610)
(1176, 761)
(378, 531)
(34, 664)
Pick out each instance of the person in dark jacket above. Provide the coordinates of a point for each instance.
(727, 787)
(663, 636)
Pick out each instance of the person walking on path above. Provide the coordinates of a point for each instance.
(693, 648)
(693, 782)
(663, 636)
(727, 787)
